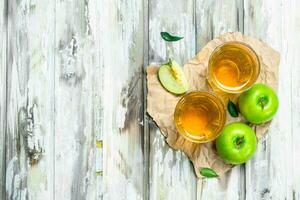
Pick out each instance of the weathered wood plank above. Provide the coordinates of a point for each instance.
(272, 174)
(171, 173)
(78, 142)
(95, 190)
(293, 53)
(146, 123)
(122, 49)
(30, 105)
(3, 23)
(214, 18)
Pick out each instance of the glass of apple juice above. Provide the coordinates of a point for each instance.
(199, 116)
(233, 67)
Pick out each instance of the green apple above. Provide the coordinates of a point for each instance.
(259, 104)
(172, 78)
(236, 143)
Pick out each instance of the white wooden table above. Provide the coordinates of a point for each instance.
(73, 123)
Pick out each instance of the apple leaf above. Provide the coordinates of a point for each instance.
(208, 172)
(232, 109)
(170, 38)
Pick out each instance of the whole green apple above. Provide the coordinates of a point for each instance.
(259, 104)
(236, 143)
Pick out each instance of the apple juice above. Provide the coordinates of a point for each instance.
(233, 67)
(199, 116)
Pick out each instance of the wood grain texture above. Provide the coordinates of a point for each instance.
(72, 109)
(294, 57)
(272, 174)
(122, 51)
(214, 18)
(77, 100)
(146, 119)
(30, 105)
(171, 173)
(3, 25)
(95, 190)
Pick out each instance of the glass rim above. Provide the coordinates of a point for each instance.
(214, 98)
(245, 87)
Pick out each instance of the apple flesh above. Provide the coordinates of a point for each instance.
(172, 78)
(259, 104)
(236, 143)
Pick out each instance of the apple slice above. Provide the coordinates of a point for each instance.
(172, 78)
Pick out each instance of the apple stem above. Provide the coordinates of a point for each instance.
(170, 62)
(262, 102)
(239, 141)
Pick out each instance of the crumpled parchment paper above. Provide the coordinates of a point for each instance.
(161, 104)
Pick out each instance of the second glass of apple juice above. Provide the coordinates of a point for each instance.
(233, 67)
(199, 116)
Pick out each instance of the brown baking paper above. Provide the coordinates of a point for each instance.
(161, 104)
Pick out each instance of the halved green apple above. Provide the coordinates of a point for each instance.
(172, 78)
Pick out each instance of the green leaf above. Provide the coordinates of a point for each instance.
(232, 109)
(208, 172)
(170, 38)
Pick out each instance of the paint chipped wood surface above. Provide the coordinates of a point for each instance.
(72, 89)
